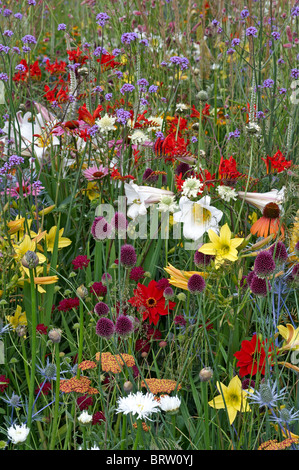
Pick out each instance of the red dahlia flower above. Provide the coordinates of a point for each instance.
(252, 356)
(150, 302)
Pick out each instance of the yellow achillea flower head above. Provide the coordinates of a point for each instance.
(223, 247)
(232, 398)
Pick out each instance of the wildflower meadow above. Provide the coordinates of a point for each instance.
(149, 231)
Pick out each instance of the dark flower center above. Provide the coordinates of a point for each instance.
(151, 302)
(271, 211)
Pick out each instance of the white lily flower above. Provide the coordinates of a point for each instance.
(260, 200)
(139, 198)
(198, 217)
(26, 132)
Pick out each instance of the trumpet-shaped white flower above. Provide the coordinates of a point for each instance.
(18, 434)
(139, 198)
(198, 217)
(260, 200)
(138, 404)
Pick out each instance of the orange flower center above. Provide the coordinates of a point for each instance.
(151, 302)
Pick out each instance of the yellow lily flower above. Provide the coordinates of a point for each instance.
(180, 278)
(16, 225)
(18, 318)
(223, 247)
(28, 244)
(232, 397)
(291, 337)
(50, 239)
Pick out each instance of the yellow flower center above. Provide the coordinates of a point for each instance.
(224, 250)
(201, 215)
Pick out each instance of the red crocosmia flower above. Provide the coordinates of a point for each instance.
(150, 302)
(75, 56)
(228, 169)
(86, 116)
(115, 174)
(60, 95)
(33, 71)
(107, 62)
(252, 356)
(56, 68)
(205, 111)
(277, 163)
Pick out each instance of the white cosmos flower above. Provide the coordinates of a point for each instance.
(191, 187)
(106, 123)
(226, 193)
(169, 404)
(198, 217)
(139, 198)
(18, 433)
(138, 404)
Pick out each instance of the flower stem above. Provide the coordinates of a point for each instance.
(57, 391)
(33, 348)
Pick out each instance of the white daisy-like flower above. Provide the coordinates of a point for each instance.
(191, 187)
(169, 404)
(106, 123)
(138, 404)
(139, 137)
(167, 204)
(18, 433)
(198, 217)
(226, 193)
(85, 417)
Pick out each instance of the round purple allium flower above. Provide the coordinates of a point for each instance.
(196, 284)
(279, 252)
(119, 222)
(259, 286)
(249, 277)
(182, 168)
(128, 257)
(137, 273)
(168, 293)
(248, 383)
(106, 279)
(264, 264)
(251, 31)
(124, 326)
(295, 273)
(61, 27)
(101, 309)
(201, 260)
(101, 229)
(105, 328)
(127, 88)
(149, 176)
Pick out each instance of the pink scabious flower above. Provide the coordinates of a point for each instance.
(27, 189)
(95, 173)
